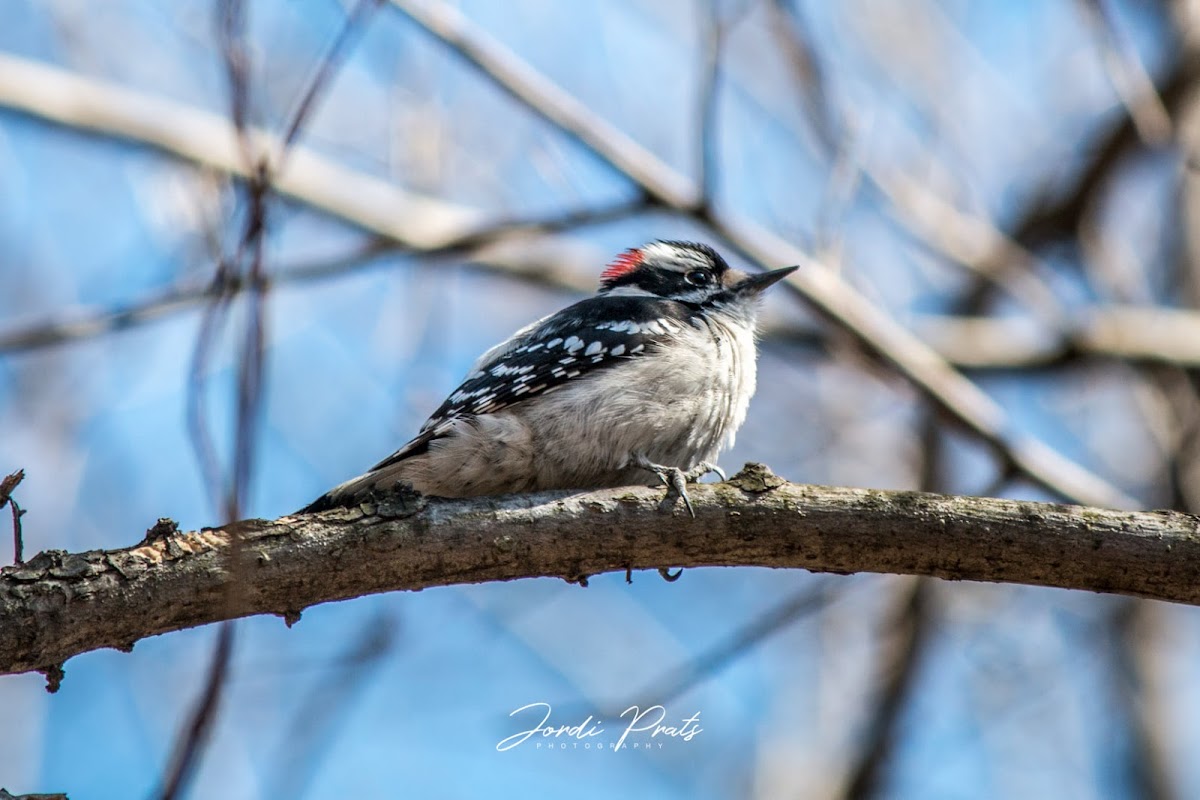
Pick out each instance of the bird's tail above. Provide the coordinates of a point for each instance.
(344, 495)
(385, 478)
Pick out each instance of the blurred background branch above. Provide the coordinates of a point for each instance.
(995, 208)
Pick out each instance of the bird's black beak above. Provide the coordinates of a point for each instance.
(755, 284)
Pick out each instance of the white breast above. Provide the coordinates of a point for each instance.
(678, 406)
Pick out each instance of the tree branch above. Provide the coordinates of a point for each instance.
(58, 605)
(1135, 334)
(208, 139)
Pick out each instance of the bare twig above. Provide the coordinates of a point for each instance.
(247, 265)
(185, 756)
(905, 630)
(1129, 78)
(553, 104)
(792, 37)
(970, 241)
(1057, 215)
(962, 238)
(489, 247)
(708, 118)
(1137, 334)
(190, 745)
(7, 485)
(210, 140)
(355, 23)
(1149, 762)
(909, 628)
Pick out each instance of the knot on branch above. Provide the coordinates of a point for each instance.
(755, 478)
(164, 528)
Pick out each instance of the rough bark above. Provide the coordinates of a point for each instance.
(59, 604)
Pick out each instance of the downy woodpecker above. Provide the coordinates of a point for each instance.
(653, 374)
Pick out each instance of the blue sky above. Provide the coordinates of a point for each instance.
(982, 101)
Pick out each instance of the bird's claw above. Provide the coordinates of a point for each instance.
(676, 480)
(703, 468)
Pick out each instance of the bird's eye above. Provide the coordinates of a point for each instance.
(698, 277)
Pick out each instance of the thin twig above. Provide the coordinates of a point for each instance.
(355, 23)
(792, 37)
(7, 486)
(485, 247)
(552, 103)
(1135, 334)
(921, 365)
(708, 119)
(1132, 84)
(910, 626)
(1148, 752)
(190, 746)
(185, 756)
(907, 628)
(248, 267)
(1056, 214)
(88, 105)
(18, 537)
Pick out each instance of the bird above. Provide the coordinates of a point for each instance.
(652, 375)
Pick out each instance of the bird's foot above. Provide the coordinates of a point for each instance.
(676, 480)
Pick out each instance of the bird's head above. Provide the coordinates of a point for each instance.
(684, 271)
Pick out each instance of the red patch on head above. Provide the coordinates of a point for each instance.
(623, 264)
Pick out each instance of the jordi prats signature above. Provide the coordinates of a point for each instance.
(640, 728)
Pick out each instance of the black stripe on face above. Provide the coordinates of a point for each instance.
(655, 281)
(665, 268)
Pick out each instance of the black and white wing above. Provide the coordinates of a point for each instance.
(582, 339)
